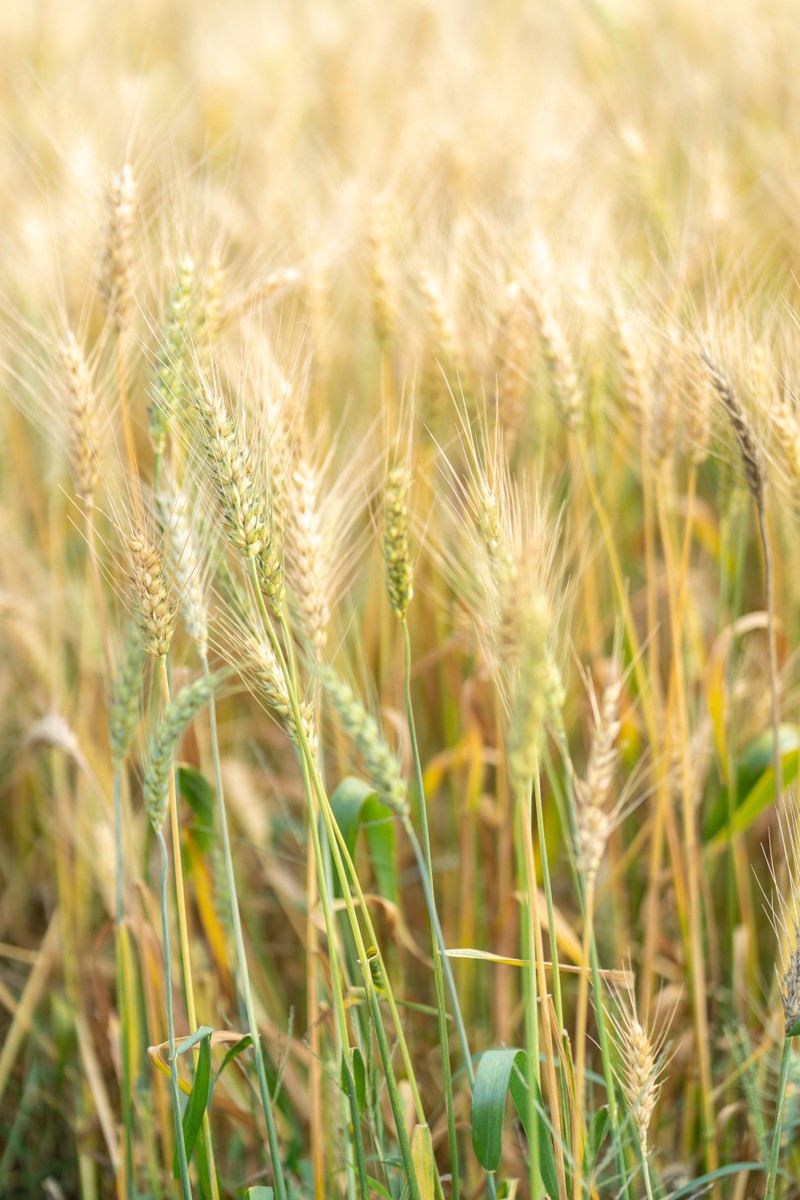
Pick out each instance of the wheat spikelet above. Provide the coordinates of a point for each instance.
(236, 486)
(781, 412)
(661, 425)
(697, 406)
(492, 533)
(511, 351)
(362, 728)
(154, 596)
(559, 363)
(241, 640)
(126, 692)
(261, 666)
(594, 820)
(442, 354)
(176, 718)
(530, 699)
(186, 563)
(115, 286)
(169, 391)
(508, 544)
(396, 557)
(630, 364)
(783, 910)
(82, 416)
(308, 551)
(748, 447)
(642, 1063)
(383, 298)
(208, 316)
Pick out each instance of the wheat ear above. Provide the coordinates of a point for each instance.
(755, 475)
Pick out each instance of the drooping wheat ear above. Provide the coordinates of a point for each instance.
(396, 556)
(307, 549)
(511, 350)
(630, 363)
(756, 481)
(169, 390)
(82, 418)
(593, 819)
(177, 716)
(558, 362)
(530, 690)
(748, 446)
(186, 564)
(154, 595)
(123, 716)
(361, 727)
(256, 661)
(383, 299)
(641, 1053)
(116, 288)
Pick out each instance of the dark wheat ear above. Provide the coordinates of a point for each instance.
(748, 446)
(756, 480)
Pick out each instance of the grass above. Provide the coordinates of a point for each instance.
(399, 452)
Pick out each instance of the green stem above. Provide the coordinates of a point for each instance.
(439, 952)
(568, 819)
(580, 1043)
(183, 929)
(530, 988)
(548, 891)
(648, 1183)
(333, 835)
(769, 587)
(183, 1164)
(241, 954)
(342, 1039)
(774, 1155)
(122, 998)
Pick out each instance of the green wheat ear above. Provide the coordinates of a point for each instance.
(397, 560)
(362, 728)
(123, 714)
(177, 716)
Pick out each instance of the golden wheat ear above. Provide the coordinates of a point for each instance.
(115, 283)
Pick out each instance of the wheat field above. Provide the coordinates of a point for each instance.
(399, 480)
